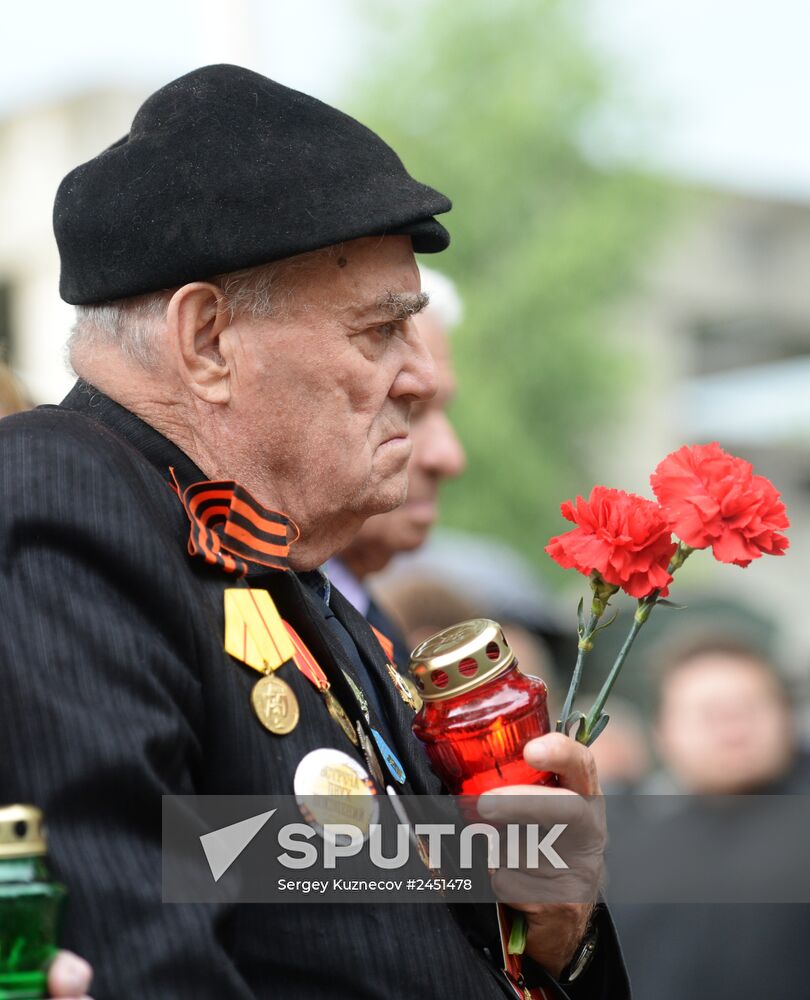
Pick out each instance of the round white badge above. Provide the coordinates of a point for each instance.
(332, 788)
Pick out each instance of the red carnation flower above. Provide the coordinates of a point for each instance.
(624, 537)
(712, 498)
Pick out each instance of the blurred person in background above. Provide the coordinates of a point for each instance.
(422, 605)
(13, 398)
(437, 455)
(724, 727)
(724, 723)
(460, 574)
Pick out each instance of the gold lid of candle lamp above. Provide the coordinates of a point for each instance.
(460, 658)
(22, 832)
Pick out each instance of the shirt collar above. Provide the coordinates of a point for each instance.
(348, 584)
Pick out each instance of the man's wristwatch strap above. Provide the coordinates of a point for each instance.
(582, 958)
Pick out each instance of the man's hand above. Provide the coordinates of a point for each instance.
(557, 903)
(69, 977)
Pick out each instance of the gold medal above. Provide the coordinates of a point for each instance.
(275, 704)
(339, 715)
(407, 691)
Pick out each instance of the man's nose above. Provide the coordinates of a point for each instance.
(418, 377)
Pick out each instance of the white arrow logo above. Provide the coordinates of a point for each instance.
(222, 847)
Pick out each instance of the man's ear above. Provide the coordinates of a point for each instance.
(196, 318)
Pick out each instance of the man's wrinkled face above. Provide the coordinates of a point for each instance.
(324, 394)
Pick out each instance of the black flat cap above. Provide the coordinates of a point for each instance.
(225, 169)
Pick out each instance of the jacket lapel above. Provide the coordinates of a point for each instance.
(411, 752)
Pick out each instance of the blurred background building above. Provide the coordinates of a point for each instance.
(631, 237)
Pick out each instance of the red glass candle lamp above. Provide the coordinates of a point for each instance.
(479, 710)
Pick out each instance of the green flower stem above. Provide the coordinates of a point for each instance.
(517, 935)
(587, 731)
(584, 647)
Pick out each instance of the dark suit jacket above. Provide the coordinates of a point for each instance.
(116, 691)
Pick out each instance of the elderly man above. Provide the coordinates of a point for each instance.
(242, 263)
(436, 455)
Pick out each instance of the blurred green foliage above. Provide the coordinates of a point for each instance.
(495, 103)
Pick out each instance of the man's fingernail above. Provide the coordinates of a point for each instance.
(487, 806)
(73, 983)
(74, 976)
(536, 756)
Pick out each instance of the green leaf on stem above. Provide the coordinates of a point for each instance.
(600, 724)
(671, 604)
(573, 719)
(580, 616)
(609, 622)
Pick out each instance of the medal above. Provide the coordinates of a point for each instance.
(255, 634)
(275, 704)
(361, 698)
(311, 669)
(331, 787)
(370, 755)
(391, 760)
(406, 691)
(335, 709)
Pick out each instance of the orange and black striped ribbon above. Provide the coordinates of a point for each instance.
(231, 529)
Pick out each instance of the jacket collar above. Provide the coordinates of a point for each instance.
(157, 449)
(220, 538)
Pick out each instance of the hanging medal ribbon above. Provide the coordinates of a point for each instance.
(385, 642)
(254, 631)
(255, 634)
(313, 672)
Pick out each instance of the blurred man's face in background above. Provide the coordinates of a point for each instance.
(437, 455)
(724, 725)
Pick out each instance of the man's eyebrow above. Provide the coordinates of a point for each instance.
(399, 305)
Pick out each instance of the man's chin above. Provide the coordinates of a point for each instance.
(414, 539)
(388, 496)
